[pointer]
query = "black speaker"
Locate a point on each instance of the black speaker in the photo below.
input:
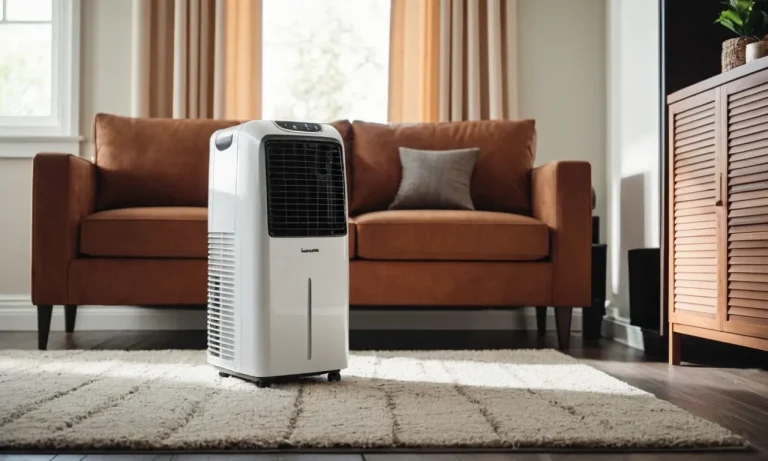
(645, 287)
(592, 316)
(595, 229)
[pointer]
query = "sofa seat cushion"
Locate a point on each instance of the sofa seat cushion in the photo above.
(159, 232)
(173, 232)
(460, 235)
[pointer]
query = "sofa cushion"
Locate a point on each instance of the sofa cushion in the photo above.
(174, 232)
(158, 161)
(437, 180)
(450, 235)
(152, 161)
(501, 178)
(158, 232)
(344, 127)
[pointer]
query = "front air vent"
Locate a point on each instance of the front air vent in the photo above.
(305, 188)
(221, 295)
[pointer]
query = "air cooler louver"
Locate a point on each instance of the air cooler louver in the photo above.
(221, 295)
(305, 189)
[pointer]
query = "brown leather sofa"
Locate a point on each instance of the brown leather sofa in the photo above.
(130, 227)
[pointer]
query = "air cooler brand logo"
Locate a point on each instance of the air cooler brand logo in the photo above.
(310, 250)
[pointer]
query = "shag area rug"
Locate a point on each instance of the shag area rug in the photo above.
(173, 400)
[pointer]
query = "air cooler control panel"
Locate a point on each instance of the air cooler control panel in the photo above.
(299, 126)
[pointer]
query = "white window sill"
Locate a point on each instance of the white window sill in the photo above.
(29, 146)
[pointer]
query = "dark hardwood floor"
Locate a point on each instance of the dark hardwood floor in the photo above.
(724, 384)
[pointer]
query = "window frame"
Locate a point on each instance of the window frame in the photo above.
(21, 136)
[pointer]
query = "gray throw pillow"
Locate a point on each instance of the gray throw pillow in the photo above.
(436, 179)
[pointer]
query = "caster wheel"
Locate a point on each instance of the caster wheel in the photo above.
(334, 376)
(223, 375)
(262, 384)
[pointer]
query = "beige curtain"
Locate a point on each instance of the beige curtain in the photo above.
(197, 59)
(413, 60)
(453, 60)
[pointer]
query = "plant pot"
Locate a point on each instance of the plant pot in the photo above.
(734, 52)
(756, 50)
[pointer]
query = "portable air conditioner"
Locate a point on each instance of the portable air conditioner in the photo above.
(278, 263)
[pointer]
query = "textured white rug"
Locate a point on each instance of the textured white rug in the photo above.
(437, 399)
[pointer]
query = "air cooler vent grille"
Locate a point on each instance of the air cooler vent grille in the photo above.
(221, 295)
(305, 188)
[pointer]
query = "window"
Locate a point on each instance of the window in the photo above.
(325, 60)
(38, 68)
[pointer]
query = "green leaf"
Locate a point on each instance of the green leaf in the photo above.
(746, 18)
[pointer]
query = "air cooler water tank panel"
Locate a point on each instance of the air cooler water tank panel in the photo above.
(222, 180)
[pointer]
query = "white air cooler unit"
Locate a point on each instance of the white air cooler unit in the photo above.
(278, 263)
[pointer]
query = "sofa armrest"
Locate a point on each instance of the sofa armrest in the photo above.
(63, 193)
(562, 196)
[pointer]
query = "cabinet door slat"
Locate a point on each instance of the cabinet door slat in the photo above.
(755, 211)
(690, 116)
(739, 118)
(746, 108)
(748, 252)
(748, 147)
(749, 286)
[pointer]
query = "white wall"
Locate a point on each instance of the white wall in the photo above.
(632, 161)
(105, 86)
(106, 63)
(562, 81)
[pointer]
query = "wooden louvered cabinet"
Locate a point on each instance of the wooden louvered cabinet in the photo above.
(717, 225)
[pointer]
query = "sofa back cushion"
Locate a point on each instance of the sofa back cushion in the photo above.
(152, 161)
(344, 127)
(157, 161)
(500, 180)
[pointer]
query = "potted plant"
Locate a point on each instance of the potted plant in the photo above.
(748, 20)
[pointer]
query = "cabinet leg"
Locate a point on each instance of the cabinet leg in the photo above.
(44, 312)
(674, 347)
(70, 314)
(541, 320)
(563, 320)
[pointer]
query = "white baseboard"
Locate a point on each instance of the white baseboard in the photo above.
(619, 329)
(18, 314)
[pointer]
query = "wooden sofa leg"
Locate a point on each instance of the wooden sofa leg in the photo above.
(70, 314)
(44, 312)
(563, 320)
(541, 320)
